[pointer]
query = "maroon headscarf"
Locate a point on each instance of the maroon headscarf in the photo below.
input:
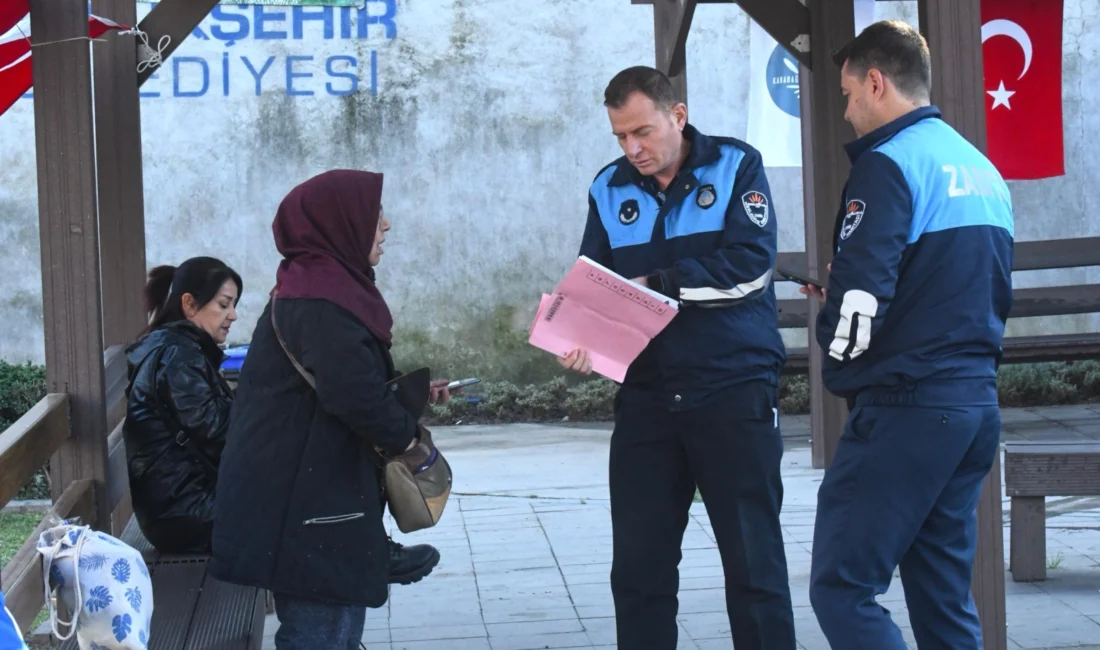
(324, 230)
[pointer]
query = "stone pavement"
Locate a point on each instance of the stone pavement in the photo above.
(526, 552)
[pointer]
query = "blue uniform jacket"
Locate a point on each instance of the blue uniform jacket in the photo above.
(10, 637)
(709, 241)
(921, 282)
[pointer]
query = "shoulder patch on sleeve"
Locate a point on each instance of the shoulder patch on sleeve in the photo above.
(756, 207)
(853, 214)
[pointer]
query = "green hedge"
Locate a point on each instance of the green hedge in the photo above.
(575, 399)
(592, 400)
(21, 387)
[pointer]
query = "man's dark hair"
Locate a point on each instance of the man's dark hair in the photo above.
(897, 50)
(649, 81)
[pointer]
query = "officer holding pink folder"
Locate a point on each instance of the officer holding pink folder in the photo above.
(691, 216)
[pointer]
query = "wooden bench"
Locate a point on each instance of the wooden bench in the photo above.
(192, 610)
(1034, 471)
(1030, 302)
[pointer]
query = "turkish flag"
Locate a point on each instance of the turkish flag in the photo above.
(1022, 60)
(16, 75)
(11, 12)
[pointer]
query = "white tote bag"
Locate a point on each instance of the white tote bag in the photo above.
(103, 583)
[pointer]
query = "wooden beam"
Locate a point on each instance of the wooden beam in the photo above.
(788, 22)
(115, 381)
(671, 26)
(671, 21)
(824, 172)
(22, 582)
(1031, 302)
(69, 234)
(28, 443)
(953, 31)
(118, 158)
(118, 475)
(175, 19)
(1043, 255)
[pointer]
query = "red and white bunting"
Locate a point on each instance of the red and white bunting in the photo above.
(15, 50)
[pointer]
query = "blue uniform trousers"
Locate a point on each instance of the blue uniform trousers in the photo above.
(902, 491)
(731, 448)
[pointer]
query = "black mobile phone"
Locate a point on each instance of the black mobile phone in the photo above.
(799, 279)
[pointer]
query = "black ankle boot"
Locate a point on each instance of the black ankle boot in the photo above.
(409, 564)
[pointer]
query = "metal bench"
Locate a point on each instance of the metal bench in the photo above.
(192, 610)
(1034, 471)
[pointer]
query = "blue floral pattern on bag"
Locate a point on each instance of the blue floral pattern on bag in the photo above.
(55, 576)
(121, 571)
(100, 598)
(93, 562)
(122, 624)
(133, 594)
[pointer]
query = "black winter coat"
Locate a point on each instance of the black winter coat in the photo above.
(175, 393)
(299, 508)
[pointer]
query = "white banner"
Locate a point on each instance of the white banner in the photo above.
(774, 112)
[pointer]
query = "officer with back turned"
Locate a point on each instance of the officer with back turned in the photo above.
(918, 293)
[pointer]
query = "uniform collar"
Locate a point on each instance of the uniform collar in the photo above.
(704, 151)
(858, 147)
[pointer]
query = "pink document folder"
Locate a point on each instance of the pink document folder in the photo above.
(596, 309)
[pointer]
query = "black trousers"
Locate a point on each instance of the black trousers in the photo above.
(731, 448)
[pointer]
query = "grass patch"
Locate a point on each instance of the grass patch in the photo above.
(15, 527)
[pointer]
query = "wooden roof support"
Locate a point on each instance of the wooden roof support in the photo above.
(787, 21)
(119, 182)
(674, 16)
(69, 233)
(671, 23)
(825, 168)
(953, 31)
(175, 19)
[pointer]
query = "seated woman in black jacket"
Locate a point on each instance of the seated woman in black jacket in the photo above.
(299, 510)
(178, 403)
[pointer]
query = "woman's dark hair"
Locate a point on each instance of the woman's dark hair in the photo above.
(202, 277)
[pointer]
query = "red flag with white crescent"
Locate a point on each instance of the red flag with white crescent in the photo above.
(11, 12)
(1022, 61)
(15, 55)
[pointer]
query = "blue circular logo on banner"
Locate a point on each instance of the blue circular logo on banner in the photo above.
(782, 72)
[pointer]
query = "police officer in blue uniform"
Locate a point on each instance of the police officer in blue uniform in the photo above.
(917, 296)
(691, 216)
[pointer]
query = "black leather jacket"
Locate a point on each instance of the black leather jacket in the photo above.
(177, 415)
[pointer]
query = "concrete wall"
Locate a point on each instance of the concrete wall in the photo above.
(486, 117)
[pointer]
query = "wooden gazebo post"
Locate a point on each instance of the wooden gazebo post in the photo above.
(811, 32)
(92, 222)
(69, 233)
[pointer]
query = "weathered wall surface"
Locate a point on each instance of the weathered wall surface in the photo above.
(486, 117)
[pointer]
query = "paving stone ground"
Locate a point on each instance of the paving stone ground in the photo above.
(526, 553)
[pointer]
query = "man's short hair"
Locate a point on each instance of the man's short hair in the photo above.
(896, 49)
(649, 81)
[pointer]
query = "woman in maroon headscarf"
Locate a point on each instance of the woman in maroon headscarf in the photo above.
(299, 509)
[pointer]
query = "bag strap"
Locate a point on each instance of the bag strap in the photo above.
(78, 598)
(297, 366)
